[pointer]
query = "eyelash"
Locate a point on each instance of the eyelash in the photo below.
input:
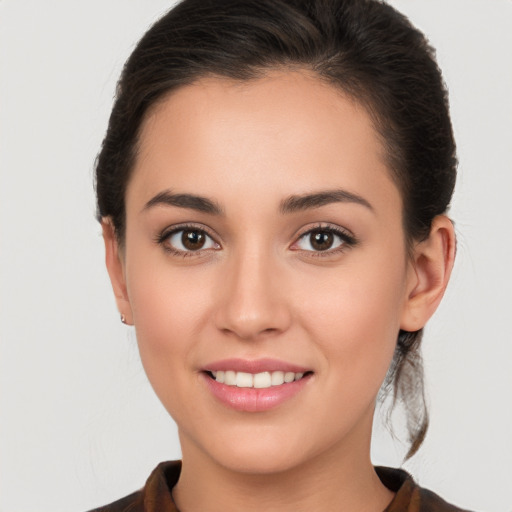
(163, 239)
(347, 240)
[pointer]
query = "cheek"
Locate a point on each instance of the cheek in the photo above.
(354, 316)
(168, 307)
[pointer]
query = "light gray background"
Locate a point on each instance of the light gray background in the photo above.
(79, 424)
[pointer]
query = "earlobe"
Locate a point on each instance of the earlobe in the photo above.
(431, 267)
(115, 268)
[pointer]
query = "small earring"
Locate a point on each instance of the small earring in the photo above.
(123, 319)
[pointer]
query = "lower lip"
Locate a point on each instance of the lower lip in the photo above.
(252, 399)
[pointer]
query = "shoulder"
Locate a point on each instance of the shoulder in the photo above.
(132, 503)
(154, 496)
(410, 497)
(432, 502)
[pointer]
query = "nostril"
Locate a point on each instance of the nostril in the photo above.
(249, 332)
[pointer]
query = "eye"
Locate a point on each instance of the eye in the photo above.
(323, 239)
(187, 240)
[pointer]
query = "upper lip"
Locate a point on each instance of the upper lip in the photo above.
(255, 366)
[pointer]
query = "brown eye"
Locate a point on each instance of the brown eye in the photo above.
(325, 240)
(321, 240)
(193, 240)
(188, 240)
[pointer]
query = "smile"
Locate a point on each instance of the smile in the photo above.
(255, 380)
(255, 385)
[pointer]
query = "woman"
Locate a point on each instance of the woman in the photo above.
(73, 397)
(272, 190)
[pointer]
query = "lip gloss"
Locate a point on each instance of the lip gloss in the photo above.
(250, 399)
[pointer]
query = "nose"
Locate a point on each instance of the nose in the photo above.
(252, 300)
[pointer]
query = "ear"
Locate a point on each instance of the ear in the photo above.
(429, 272)
(116, 270)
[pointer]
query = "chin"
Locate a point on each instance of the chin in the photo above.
(260, 462)
(258, 452)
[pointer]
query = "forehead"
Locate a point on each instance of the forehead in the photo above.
(284, 133)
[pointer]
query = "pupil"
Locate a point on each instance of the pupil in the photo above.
(192, 240)
(322, 240)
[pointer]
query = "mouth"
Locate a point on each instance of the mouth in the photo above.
(261, 380)
(255, 385)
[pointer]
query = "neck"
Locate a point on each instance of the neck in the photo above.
(341, 479)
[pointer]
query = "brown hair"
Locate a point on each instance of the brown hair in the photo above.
(364, 47)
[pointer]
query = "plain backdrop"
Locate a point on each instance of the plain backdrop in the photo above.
(79, 423)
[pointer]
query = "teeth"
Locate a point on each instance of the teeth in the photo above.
(230, 378)
(258, 380)
(289, 377)
(277, 378)
(262, 380)
(244, 380)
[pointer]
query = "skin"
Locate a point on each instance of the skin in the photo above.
(259, 289)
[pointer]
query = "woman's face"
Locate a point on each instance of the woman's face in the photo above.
(264, 242)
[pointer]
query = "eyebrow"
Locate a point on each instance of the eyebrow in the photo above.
(302, 202)
(291, 204)
(189, 201)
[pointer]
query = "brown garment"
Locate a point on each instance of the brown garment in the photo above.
(156, 495)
